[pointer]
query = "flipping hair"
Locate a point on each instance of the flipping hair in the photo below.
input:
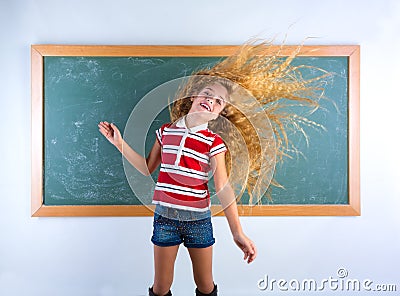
(263, 88)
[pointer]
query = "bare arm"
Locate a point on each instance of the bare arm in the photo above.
(146, 166)
(226, 195)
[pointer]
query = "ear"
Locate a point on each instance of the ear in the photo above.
(224, 112)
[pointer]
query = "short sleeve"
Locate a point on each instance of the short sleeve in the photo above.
(218, 146)
(159, 132)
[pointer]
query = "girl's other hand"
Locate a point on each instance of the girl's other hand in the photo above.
(247, 246)
(111, 132)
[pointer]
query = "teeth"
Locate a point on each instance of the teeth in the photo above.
(205, 106)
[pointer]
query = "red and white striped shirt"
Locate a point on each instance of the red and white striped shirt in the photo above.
(185, 165)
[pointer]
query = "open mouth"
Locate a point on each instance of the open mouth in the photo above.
(205, 106)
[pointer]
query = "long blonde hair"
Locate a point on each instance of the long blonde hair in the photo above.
(262, 85)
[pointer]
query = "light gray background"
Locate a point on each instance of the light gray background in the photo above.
(113, 256)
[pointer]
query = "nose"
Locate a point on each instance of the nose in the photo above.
(211, 100)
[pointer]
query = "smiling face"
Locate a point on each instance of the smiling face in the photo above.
(210, 101)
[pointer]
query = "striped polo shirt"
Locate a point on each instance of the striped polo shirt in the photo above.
(185, 165)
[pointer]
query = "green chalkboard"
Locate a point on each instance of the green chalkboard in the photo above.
(76, 171)
(81, 167)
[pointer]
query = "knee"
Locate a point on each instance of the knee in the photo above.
(162, 285)
(212, 292)
(153, 292)
(204, 283)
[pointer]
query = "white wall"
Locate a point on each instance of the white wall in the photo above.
(113, 256)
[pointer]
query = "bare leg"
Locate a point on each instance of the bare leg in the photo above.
(164, 262)
(202, 268)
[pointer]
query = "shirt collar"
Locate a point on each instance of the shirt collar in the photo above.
(182, 123)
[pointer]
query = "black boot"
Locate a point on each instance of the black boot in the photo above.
(213, 293)
(151, 293)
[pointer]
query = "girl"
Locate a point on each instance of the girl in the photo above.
(189, 147)
(189, 133)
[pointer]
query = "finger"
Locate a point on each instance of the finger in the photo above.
(248, 256)
(246, 252)
(249, 252)
(255, 251)
(104, 130)
(113, 126)
(253, 254)
(253, 258)
(103, 125)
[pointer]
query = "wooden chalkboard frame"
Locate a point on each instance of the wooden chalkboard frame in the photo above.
(38, 52)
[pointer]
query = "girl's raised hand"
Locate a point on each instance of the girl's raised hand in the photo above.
(111, 132)
(247, 246)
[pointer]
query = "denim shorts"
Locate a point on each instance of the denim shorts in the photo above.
(193, 234)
